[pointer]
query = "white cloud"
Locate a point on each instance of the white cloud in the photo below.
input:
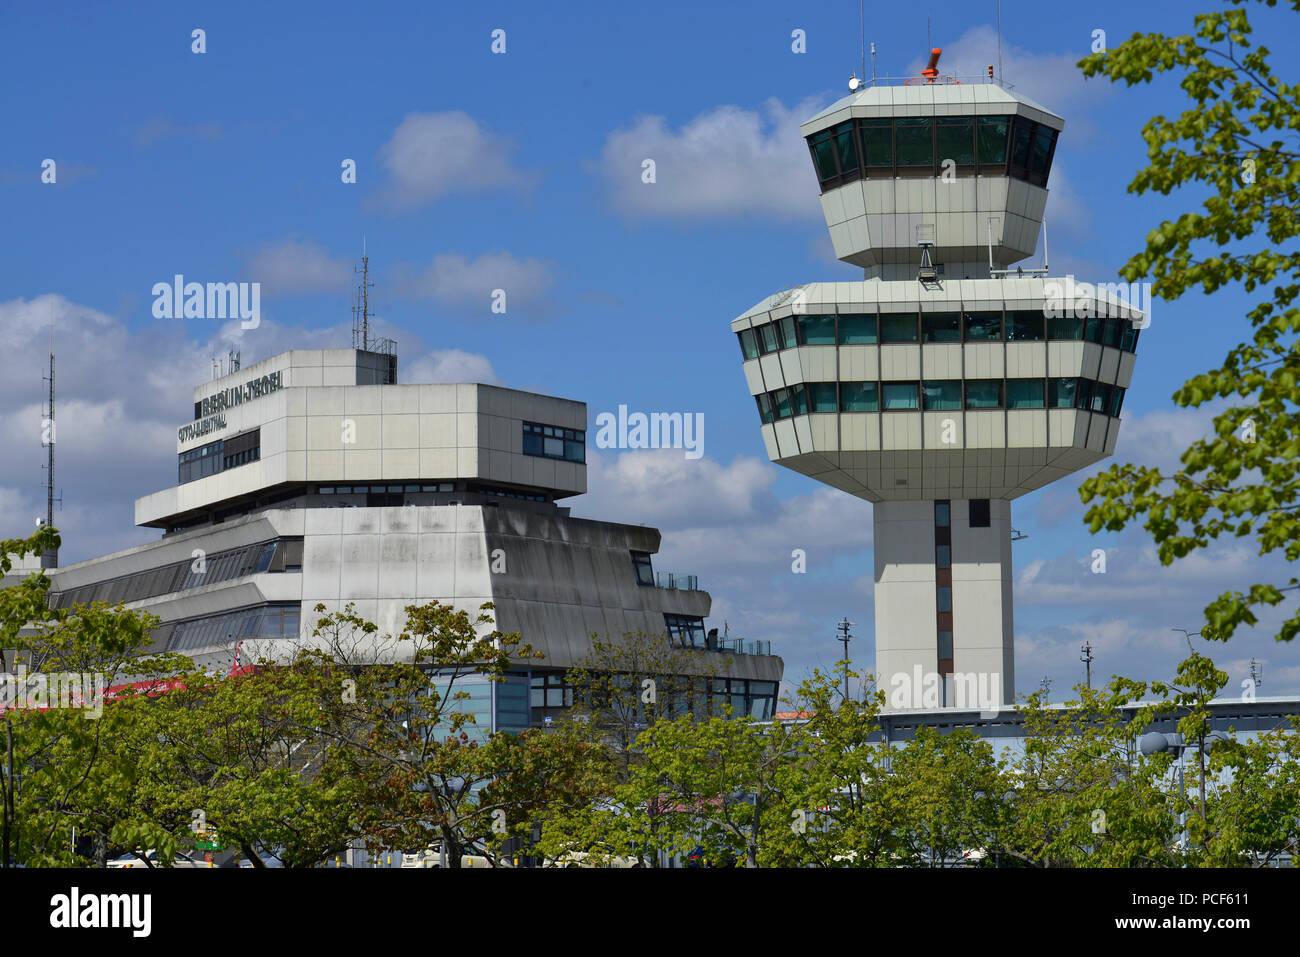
(433, 154)
(451, 365)
(727, 162)
(455, 280)
(1050, 79)
(297, 265)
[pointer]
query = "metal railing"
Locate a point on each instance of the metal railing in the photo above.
(678, 581)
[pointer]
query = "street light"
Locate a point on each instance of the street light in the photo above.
(1156, 742)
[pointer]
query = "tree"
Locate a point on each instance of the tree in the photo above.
(1081, 793)
(835, 795)
(1245, 481)
(620, 689)
(405, 737)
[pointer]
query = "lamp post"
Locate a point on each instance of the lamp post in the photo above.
(1154, 742)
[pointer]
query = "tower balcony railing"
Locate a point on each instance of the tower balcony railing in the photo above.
(731, 646)
(677, 580)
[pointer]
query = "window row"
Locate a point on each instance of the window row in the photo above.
(191, 573)
(1017, 325)
(552, 442)
(682, 695)
(884, 147)
(242, 458)
(194, 464)
(247, 624)
(384, 489)
(938, 395)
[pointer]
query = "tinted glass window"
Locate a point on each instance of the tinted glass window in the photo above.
(945, 598)
(1064, 327)
(748, 345)
(899, 395)
(943, 556)
(781, 397)
(898, 327)
(984, 394)
(956, 140)
(983, 326)
(786, 330)
(941, 327)
(945, 644)
(1060, 393)
(942, 514)
(914, 141)
(1021, 144)
(765, 407)
(768, 334)
(823, 151)
(979, 513)
(1025, 393)
(817, 330)
(845, 149)
(857, 329)
(877, 143)
(822, 397)
(1042, 152)
(1094, 330)
(993, 139)
(859, 397)
(1024, 325)
(941, 394)
(1114, 333)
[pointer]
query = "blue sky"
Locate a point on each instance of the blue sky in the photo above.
(522, 171)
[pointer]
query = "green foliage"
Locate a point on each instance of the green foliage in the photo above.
(1231, 145)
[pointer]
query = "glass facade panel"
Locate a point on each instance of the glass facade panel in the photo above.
(765, 407)
(1114, 332)
(823, 151)
(984, 394)
(786, 329)
(846, 150)
(822, 397)
(993, 139)
(859, 397)
(945, 598)
(748, 345)
(899, 395)
(1023, 325)
(983, 326)
(817, 330)
(1064, 327)
(1060, 393)
(857, 330)
(898, 327)
(914, 141)
(768, 337)
(877, 143)
(941, 327)
(942, 394)
(1025, 393)
(955, 140)
(782, 399)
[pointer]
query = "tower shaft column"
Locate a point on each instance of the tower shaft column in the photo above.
(944, 627)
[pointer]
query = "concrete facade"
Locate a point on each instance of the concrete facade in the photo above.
(944, 384)
(348, 488)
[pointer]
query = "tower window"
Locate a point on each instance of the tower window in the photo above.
(644, 571)
(979, 513)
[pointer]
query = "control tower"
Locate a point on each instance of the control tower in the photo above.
(947, 381)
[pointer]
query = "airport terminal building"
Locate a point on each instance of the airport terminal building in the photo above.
(314, 477)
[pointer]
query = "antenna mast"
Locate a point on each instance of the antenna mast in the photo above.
(50, 559)
(361, 309)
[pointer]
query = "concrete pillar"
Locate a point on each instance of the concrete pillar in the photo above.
(908, 612)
